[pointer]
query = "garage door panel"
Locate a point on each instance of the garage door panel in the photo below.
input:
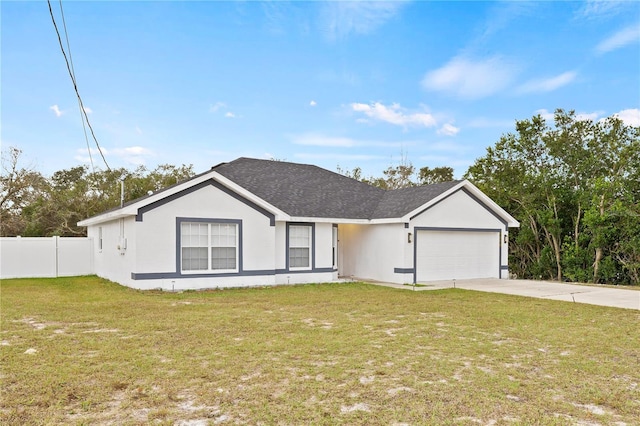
(447, 255)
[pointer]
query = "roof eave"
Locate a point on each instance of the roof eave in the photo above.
(336, 220)
(132, 209)
(107, 217)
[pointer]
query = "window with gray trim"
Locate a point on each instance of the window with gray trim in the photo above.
(209, 246)
(299, 247)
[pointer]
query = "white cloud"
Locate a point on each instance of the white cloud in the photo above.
(132, 150)
(585, 116)
(56, 110)
(88, 110)
(466, 78)
(394, 114)
(82, 155)
(218, 105)
(547, 84)
(581, 116)
(620, 39)
(230, 115)
(448, 130)
(316, 139)
(313, 103)
(342, 18)
(602, 8)
(135, 155)
(630, 117)
(548, 116)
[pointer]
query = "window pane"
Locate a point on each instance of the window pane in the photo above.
(194, 258)
(223, 258)
(203, 234)
(196, 239)
(299, 246)
(299, 236)
(185, 236)
(194, 234)
(299, 257)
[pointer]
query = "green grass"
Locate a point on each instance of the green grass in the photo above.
(314, 354)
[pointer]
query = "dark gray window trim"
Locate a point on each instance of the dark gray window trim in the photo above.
(305, 271)
(334, 255)
(265, 272)
(215, 184)
(313, 247)
(432, 228)
(166, 275)
(476, 199)
(403, 270)
(180, 220)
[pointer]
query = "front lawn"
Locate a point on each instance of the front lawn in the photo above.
(86, 351)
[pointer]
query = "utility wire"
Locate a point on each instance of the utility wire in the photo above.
(75, 86)
(84, 127)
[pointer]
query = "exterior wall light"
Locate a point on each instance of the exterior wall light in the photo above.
(506, 238)
(409, 237)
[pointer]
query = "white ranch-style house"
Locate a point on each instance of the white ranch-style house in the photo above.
(256, 222)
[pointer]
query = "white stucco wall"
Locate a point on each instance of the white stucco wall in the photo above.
(112, 262)
(157, 231)
(372, 251)
(323, 244)
(151, 253)
(280, 253)
(460, 211)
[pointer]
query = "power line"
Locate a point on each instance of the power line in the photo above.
(73, 71)
(75, 86)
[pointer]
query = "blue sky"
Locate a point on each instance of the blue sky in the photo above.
(325, 83)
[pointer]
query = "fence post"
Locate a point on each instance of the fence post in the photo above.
(55, 238)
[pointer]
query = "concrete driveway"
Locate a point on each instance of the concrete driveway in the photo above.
(594, 295)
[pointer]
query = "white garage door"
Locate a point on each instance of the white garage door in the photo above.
(448, 255)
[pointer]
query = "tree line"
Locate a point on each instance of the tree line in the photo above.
(573, 184)
(34, 205)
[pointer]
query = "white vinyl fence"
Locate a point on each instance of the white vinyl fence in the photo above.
(29, 257)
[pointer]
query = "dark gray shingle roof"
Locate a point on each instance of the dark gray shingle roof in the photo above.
(310, 191)
(301, 189)
(398, 202)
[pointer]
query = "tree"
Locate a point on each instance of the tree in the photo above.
(428, 176)
(402, 175)
(573, 185)
(19, 187)
(32, 205)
